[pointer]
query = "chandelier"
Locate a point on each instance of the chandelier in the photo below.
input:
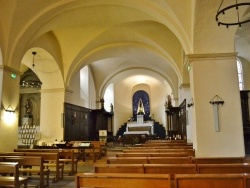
(30, 78)
(230, 15)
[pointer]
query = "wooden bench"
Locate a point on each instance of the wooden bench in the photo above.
(97, 150)
(167, 141)
(31, 165)
(51, 161)
(177, 154)
(127, 160)
(122, 180)
(247, 180)
(119, 168)
(209, 181)
(217, 160)
(65, 156)
(171, 169)
(169, 160)
(234, 168)
(68, 156)
(190, 152)
(14, 180)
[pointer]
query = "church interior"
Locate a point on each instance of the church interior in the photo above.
(125, 73)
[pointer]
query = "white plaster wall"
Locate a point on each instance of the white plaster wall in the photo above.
(84, 86)
(74, 90)
(92, 90)
(9, 125)
(209, 78)
(52, 105)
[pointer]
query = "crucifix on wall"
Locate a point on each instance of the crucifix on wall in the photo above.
(216, 101)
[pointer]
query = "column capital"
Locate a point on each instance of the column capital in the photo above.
(9, 69)
(213, 56)
(56, 90)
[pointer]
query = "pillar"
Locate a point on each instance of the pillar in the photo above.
(211, 75)
(9, 93)
(52, 108)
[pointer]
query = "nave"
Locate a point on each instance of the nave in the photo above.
(156, 163)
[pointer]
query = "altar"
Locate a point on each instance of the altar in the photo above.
(140, 128)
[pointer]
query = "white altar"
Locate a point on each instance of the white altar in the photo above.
(140, 128)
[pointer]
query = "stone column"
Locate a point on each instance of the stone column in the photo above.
(211, 75)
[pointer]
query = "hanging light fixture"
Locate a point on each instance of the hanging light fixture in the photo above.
(32, 81)
(230, 15)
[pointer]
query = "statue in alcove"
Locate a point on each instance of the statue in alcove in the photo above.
(28, 108)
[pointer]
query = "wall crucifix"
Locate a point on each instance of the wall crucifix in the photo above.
(216, 102)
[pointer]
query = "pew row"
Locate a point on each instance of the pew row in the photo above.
(217, 160)
(149, 160)
(122, 180)
(168, 154)
(51, 162)
(173, 169)
(119, 168)
(236, 168)
(30, 166)
(190, 152)
(14, 180)
(209, 181)
(65, 156)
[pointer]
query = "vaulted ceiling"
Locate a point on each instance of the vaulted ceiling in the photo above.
(113, 37)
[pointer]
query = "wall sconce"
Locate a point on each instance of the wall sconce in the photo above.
(9, 115)
(190, 103)
(9, 109)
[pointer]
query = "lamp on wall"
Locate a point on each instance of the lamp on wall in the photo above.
(9, 115)
(229, 15)
(9, 109)
(190, 103)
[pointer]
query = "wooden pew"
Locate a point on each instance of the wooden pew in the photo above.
(51, 161)
(163, 144)
(169, 160)
(177, 154)
(121, 154)
(97, 153)
(122, 180)
(127, 160)
(247, 180)
(65, 156)
(209, 181)
(15, 180)
(34, 164)
(234, 168)
(68, 156)
(190, 152)
(166, 147)
(171, 169)
(119, 168)
(166, 141)
(161, 147)
(217, 160)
